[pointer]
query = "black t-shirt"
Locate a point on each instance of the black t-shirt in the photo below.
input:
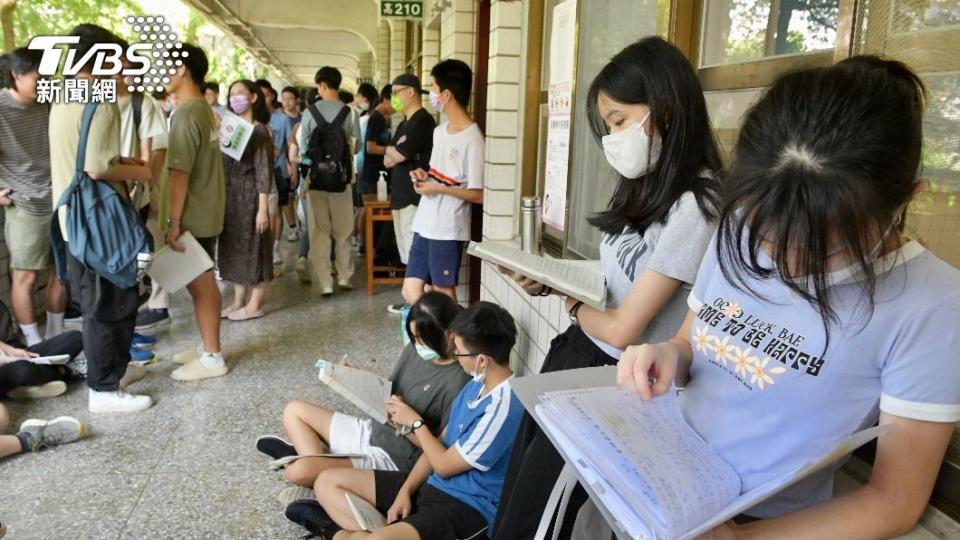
(428, 389)
(377, 133)
(417, 135)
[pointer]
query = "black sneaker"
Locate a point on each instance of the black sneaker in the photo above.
(275, 447)
(72, 316)
(152, 318)
(311, 516)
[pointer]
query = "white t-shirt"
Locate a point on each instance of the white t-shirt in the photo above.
(153, 125)
(457, 157)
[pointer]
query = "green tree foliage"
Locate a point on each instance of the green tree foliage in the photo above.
(51, 17)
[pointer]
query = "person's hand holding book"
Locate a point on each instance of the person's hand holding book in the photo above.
(401, 507)
(401, 413)
(649, 368)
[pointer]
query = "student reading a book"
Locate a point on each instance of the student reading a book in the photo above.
(426, 377)
(454, 182)
(193, 200)
(647, 111)
(814, 315)
(22, 379)
(453, 490)
(245, 245)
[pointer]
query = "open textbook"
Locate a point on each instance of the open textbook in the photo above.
(368, 391)
(281, 463)
(174, 270)
(367, 516)
(582, 280)
(648, 471)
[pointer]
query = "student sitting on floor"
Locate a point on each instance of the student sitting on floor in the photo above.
(427, 377)
(36, 434)
(454, 489)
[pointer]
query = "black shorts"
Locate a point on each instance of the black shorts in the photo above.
(209, 245)
(435, 515)
(283, 188)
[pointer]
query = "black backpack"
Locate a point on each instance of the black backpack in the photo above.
(331, 163)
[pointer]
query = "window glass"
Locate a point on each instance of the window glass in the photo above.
(911, 15)
(605, 28)
(749, 30)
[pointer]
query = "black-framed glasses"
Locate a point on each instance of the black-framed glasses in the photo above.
(465, 355)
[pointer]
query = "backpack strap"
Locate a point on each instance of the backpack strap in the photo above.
(317, 117)
(341, 116)
(136, 101)
(88, 111)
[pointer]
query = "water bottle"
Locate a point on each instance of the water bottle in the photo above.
(382, 186)
(530, 225)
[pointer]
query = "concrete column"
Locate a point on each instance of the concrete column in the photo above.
(458, 29)
(398, 53)
(383, 54)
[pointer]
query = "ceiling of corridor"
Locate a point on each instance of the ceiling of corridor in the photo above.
(296, 37)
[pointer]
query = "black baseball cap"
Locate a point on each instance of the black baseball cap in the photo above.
(411, 80)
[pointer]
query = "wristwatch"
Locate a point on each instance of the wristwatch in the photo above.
(416, 424)
(573, 313)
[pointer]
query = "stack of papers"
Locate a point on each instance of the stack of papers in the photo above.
(174, 270)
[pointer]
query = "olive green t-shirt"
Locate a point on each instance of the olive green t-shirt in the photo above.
(194, 147)
(103, 147)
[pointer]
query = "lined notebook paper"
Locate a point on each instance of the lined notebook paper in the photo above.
(583, 280)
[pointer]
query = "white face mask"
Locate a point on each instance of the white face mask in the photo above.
(632, 152)
(435, 101)
(364, 106)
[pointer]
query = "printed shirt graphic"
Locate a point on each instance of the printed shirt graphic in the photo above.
(766, 395)
(673, 249)
(457, 162)
(483, 431)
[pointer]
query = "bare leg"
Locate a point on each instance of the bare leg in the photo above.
(206, 307)
(9, 444)
(331, 486)
(289, 214)
(412, 290)
(257, 297)
(396, 531)
(449, 291)
(308, 427)
(239, 295)
(56, 294)
(21, 295)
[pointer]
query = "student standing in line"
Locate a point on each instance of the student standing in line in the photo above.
(860, 323)
(647, 110)
(410, 149)
(453, 489)
(367, 98)
(453, 183)
(331, 212)
(109, 312)
(193, 199)
(25, 194)
(211, 93)
(287, 187)
(244, 246)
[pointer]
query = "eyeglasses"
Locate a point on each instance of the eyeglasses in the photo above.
(465, 355)
(399, 89)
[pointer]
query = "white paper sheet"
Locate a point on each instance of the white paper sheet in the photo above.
(235, 133)
(367, 516)
(174, 270)
(55, 360)
(366, 390)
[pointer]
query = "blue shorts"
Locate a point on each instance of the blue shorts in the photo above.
(437, 262)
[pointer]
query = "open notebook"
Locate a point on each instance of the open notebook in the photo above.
(583, 280)
(648, 471)
(174, 270)
(368, 391)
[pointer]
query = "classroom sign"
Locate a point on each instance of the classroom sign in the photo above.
(401, 9)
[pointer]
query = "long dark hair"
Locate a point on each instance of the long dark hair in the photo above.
(369, 92)
(654, 72)
(433, 314)
(259, 105)
(825, 163)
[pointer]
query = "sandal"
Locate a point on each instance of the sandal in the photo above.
(243, 315)
(225, 312)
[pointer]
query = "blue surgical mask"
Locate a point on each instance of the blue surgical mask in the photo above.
(426, 353)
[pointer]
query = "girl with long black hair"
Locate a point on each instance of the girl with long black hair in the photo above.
(245, 254)
(647, 110)
(813, 316)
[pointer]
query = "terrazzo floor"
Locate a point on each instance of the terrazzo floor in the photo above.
(187, 467)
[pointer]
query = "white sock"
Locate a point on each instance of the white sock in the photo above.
(31, 333)
(212, 360)
(54, 324)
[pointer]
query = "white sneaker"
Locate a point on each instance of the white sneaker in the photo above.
(117, 401)
(48, 390)
(277, 260)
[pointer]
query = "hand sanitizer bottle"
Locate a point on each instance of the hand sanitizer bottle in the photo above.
(382, 186)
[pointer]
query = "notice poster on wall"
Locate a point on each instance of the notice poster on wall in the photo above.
(563, 39)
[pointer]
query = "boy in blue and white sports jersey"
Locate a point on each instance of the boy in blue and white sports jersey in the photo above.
(454, 489)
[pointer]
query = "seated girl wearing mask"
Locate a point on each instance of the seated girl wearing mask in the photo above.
(426, 377)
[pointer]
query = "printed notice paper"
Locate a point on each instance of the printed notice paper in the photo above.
(235, 133)
(368, 391)
(648, 471)
(174, 270)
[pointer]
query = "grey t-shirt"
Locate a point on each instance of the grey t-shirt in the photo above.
(674, 249)
(25, 154)
(328, 109)
(430, 390)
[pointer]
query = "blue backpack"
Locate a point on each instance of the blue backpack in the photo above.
(105, 233)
